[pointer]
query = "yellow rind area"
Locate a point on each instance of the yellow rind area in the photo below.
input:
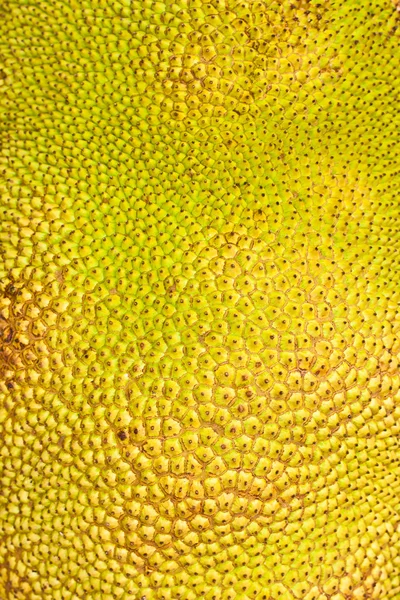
(199, 312)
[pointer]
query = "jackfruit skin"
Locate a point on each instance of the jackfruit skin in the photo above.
(199, 353)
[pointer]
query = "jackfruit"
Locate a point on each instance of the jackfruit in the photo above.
(199, 312)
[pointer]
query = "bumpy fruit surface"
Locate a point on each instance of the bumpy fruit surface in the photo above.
(199, 300)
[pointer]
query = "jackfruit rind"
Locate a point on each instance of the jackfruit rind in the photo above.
(199, 319)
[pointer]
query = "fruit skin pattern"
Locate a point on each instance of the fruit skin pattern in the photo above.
(199, 304)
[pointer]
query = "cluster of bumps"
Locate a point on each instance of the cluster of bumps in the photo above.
(199, 307)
